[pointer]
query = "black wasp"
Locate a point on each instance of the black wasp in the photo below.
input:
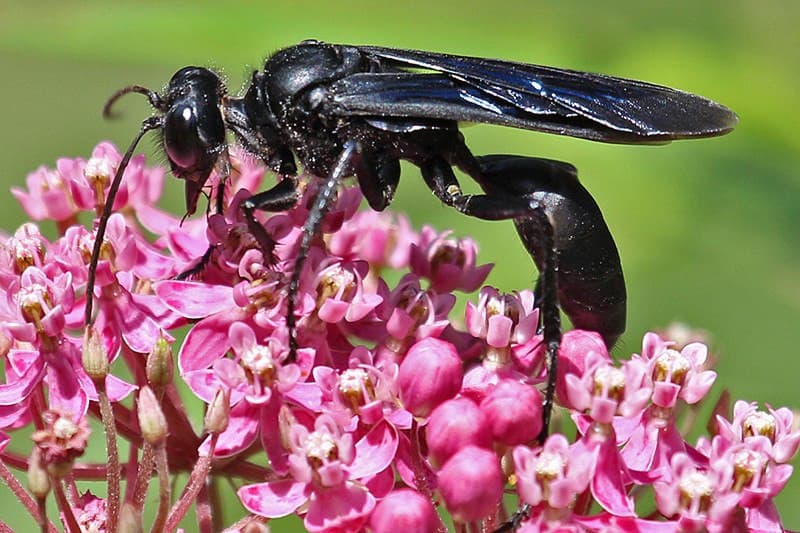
(342, 110)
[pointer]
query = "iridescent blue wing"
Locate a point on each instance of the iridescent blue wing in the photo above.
(418, 84)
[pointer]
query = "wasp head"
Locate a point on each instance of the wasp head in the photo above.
(191, 124)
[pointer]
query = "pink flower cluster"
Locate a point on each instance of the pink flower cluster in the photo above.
(388, 416)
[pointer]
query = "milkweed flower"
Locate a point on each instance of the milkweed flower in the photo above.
(392, 409)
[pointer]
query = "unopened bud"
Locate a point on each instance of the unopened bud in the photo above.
(218, 414)
(430, 374)
(152, 422)
(254, 526)
(130, 520)
(471, 484)
(160, 364)
(405, 510)
(94, 358)
(38, 478)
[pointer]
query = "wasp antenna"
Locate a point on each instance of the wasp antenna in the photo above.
(150, 123)
(155, 100)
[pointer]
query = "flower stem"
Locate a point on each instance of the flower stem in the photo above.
(196, 481)
(22, 495)
(143, 475)
(164, 491)
(205, 519)
(64, 507)
(113, 473)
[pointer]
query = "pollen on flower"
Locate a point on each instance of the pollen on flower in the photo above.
(320, 446)
(550, 465)
(671, 366)
(352, 384)
(64, 428)
(98, 172)
(503, 305)
(34, 301)
(52, 181)
(696, 489)
(87, 245)
(258, 360)
(610, 381)
(759, 423)
(26, 247)
(747, 464)
(335, 281)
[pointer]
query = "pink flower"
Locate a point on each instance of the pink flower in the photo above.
(259, 379)
(63, 438)
(502, 319)
(48, 196)
(578, 348)
(323, 465)
(514, 412)
(430, 374)
(471, 484)
(255, 303)
(255, 370)
(378, 238)
(90, 513)
(604, 391)
(363, 392)
(383, 388)
(141, 187)
(555, 474)
(405, 510)
(27, 247)
(411, 313)
(447, 263)
(37, 306)
(699, 499)
(454, 424)
(747, 468)
(677, 374)
(341, 294)
(777, 425)
(610, 476)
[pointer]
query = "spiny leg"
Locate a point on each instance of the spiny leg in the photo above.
(551, 317)
(534, 226)
(282, 196)
(551, 325)
(341, 169)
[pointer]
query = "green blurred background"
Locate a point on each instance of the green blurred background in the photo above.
(707, 230)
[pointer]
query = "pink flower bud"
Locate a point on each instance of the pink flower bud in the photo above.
(93, 356)
(38, 479)
(430, 374)
(160, 364)
(471, 484)
(514, 412)
(405, 510)
(151, 418)
(218, 414)
(455, 424)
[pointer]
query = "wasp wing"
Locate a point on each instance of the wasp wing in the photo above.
(579, 104)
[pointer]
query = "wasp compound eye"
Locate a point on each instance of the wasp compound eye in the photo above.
(181, 138)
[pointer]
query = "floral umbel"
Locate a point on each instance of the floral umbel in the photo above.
(391, 416)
